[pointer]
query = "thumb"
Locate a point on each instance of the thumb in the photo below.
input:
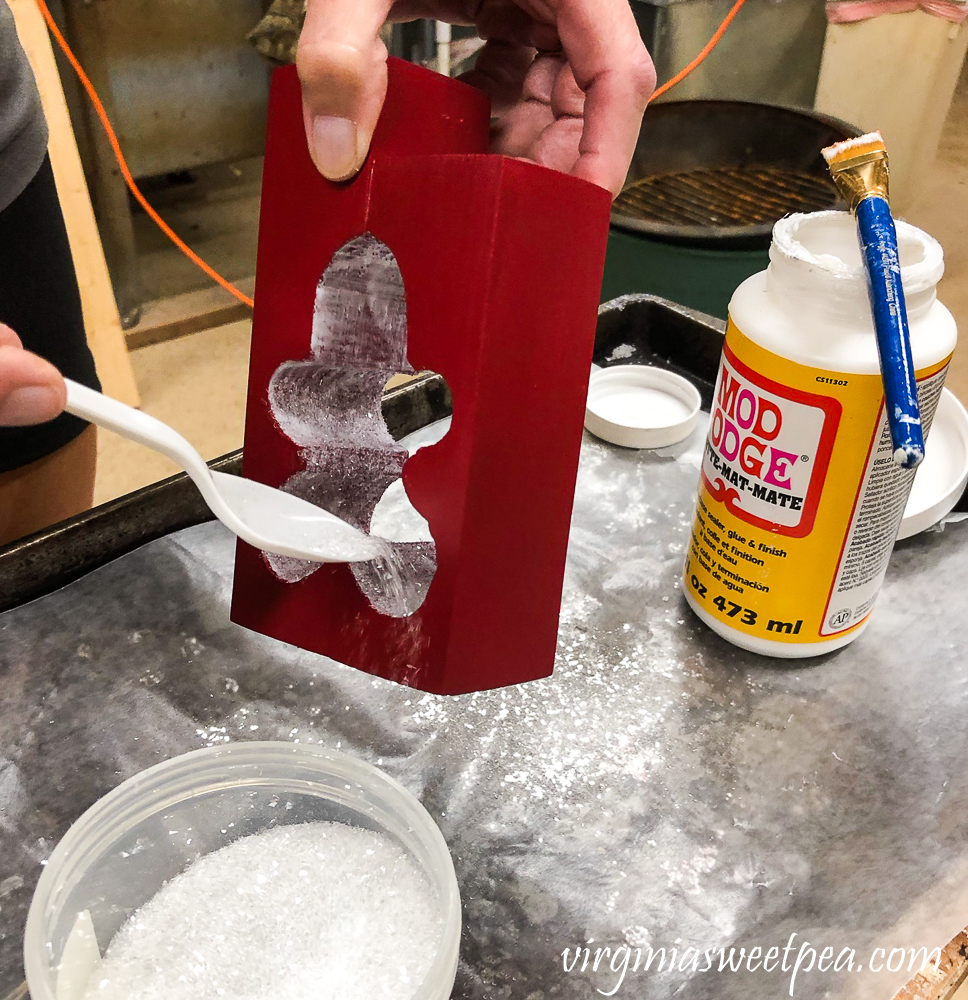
(342, 67)
(31, 390)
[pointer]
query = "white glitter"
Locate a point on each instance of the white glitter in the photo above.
(318, 911)
(621, 352)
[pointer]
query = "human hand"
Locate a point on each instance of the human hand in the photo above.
(568, 79)
(32, 391)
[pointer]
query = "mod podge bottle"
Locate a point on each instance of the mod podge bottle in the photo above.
(799, 498)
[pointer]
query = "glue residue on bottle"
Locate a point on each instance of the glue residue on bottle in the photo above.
(316, 911)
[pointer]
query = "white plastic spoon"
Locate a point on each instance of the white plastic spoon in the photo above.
(264, 517)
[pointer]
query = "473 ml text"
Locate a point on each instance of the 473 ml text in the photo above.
(744, 616)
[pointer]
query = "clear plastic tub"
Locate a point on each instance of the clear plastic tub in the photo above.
(149, 829)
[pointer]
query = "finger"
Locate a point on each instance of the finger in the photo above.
(613, 68)
(531, 120)
(520, 23)
(558, 144)
(8, 338)
(32, 391)
(567, 98)
(520, 130)
(508, 21)
(500, 71)
(341, 63)
(539, 84)
(522, 121)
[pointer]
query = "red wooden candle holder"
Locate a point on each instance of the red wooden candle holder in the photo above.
(437, 256)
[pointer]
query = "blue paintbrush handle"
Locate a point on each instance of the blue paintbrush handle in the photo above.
(878, 241)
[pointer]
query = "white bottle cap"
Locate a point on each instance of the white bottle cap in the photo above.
(942, 476)
(637, 406)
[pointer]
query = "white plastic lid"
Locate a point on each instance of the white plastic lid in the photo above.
(942, 476)
(637, 406)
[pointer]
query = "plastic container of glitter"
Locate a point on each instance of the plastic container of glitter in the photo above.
(130, 843)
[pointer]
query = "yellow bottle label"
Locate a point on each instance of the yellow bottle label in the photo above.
(799, 498)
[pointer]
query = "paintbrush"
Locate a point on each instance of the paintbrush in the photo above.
(860, 171)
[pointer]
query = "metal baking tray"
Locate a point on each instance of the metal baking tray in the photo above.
(657, 332)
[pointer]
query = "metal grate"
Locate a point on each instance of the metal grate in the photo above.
(725, 196)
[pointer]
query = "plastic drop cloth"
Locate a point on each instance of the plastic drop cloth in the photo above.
(662, 790)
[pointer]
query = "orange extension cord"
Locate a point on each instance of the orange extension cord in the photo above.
(125, 172)
(713, 42)
(171, 234)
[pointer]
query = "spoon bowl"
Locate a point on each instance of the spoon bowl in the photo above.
(267, 518)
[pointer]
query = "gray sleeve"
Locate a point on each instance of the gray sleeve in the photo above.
(23, 131)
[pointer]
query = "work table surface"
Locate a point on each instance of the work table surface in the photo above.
(663, 789)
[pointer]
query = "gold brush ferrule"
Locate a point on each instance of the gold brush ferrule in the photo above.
(861, 176)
